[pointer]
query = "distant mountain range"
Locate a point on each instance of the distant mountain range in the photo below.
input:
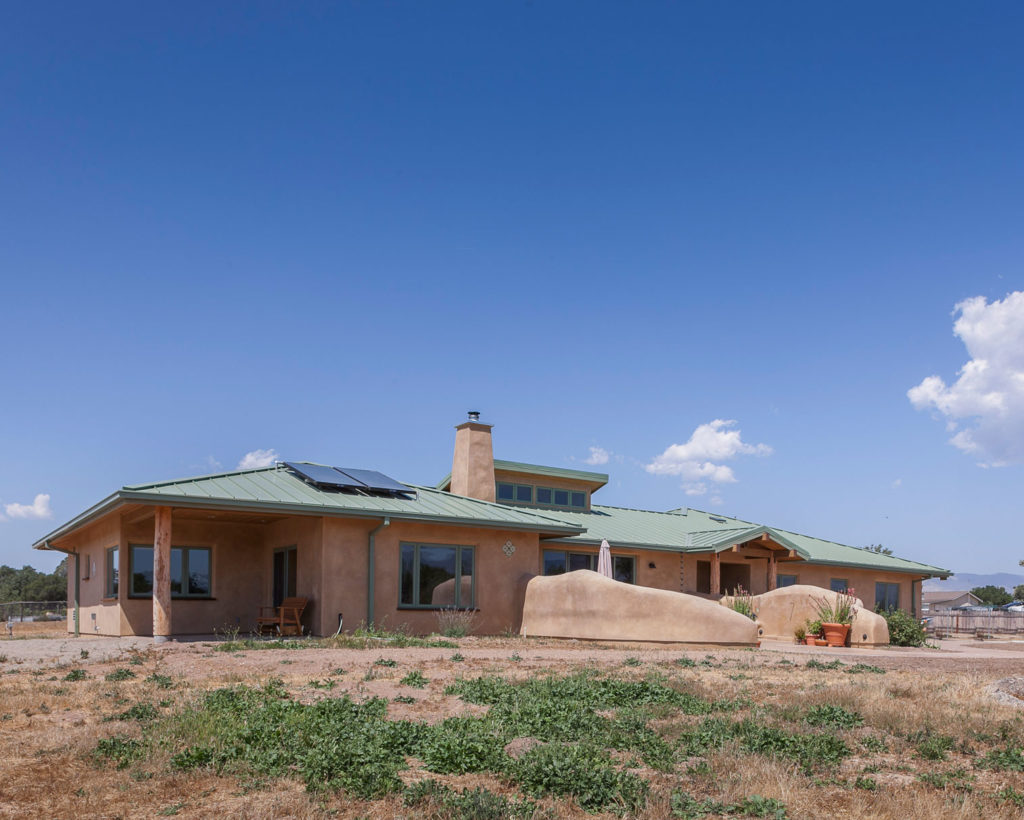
(970, 580)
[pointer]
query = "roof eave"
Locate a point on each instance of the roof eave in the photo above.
(313, 510)
(111, 502)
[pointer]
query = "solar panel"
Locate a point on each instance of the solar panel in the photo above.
(375, 480)
(325, 476)
(347, 477)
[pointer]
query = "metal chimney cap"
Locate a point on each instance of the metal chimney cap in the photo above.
(474, 415)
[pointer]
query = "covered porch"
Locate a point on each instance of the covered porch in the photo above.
(197, 571)
(755, 564)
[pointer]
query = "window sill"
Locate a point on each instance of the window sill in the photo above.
(173, 598)
(112, 600)
(414, 608)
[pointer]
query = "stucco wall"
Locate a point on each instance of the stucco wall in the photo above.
(99, 615)
(500, 579)
(237, 575)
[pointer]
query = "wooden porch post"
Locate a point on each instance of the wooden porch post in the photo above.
(162, 575)
(773, 572)
(716, 574)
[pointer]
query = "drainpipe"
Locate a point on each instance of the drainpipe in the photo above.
(78, 580)
(371, 567)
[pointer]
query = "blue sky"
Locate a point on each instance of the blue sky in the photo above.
(328, 230)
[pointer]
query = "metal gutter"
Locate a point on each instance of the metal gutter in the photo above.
(115, 500)
(371, 568)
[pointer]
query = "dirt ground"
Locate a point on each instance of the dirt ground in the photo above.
(49, 728)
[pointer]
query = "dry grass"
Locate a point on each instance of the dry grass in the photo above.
(49, 728)
(34, 629)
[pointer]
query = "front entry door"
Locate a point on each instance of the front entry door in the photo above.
(285, 573)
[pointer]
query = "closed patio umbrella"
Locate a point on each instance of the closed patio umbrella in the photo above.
(604, 560)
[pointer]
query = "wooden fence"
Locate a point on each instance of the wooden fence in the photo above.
(986, 623)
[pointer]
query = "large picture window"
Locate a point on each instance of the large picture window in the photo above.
(556, 562)
(887, 596)
(190, 572)
(434, 576)
(112, 572)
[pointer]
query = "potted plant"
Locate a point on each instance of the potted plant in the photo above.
(800, 633)
(837, 617)
(812, 631)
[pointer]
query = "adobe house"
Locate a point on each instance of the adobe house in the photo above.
(192, 556)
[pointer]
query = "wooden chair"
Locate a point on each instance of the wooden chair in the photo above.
(285, 618)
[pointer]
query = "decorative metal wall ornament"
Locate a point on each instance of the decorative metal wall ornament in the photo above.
(508, 549)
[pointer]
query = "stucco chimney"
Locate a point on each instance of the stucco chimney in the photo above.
(473, 462)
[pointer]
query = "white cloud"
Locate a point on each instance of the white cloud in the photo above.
(984, 407)
(897, 483)
(699, 460)
(257, 458)
(598, 455)
(716, 500)
(39, 508)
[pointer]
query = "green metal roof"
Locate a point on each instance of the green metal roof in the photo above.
(598, 479)
(278, 490)
(698, 531)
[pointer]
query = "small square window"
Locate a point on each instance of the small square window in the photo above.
(524, 493)
(837, 585)
(506, 492)
(785, 580)
(579, 499)
(561, 498)
(543, 495)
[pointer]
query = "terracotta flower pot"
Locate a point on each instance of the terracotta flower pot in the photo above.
(820, 642)
(809, 640)
(835, 634)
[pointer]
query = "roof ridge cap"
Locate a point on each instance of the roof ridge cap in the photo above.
(205, 477)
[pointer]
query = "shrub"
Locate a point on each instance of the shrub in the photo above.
(1010, 759)
(836, 716)
(743, 603)
(931, 746)
(161, 681)
(122, 750)
(455, 623)
(75, 674)
(120, 674)
(460, 744)
(582, 771)
(903, 629)
(414, 679)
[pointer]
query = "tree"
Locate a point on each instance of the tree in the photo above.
(879, 549)
(1018, 592)
(991, 594)
(28, 584)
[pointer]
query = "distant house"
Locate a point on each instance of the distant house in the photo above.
(938, 599)
(200, 554)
